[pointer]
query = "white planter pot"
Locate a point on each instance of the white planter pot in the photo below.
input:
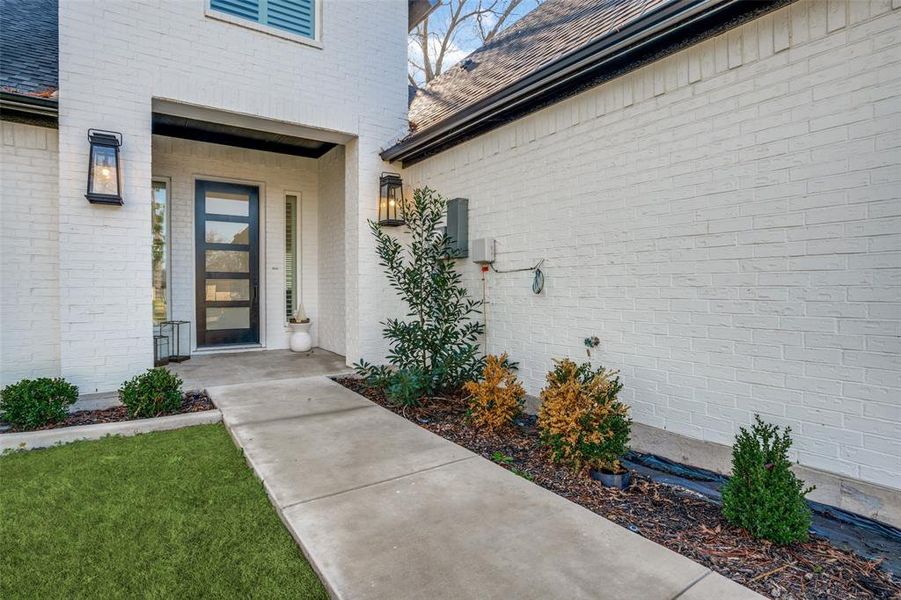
(301, 340)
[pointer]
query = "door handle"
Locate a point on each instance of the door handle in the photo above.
(253, 295)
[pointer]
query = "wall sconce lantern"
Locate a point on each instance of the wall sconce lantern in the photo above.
(104, 176)
(391, 194)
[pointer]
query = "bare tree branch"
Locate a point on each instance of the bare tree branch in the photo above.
(500, 20)
(478, 21)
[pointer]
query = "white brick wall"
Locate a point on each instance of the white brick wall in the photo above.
(354, 84)
(276, 175)
(29, 284)
(331, 251)
(727, 221)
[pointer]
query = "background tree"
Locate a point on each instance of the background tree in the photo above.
(456, 28)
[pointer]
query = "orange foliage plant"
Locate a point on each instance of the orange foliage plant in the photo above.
(497, 399)
(580, 419)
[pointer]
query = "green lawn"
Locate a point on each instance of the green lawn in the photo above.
(175, 514)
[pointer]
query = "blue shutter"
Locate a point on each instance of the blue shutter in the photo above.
(296, 16)
(248, 9)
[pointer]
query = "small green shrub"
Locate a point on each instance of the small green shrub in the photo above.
(406, 387)
(375, 375)
(33, 403)
(763, 495)
(151, 394)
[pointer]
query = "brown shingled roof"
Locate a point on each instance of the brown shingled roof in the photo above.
(551, 31)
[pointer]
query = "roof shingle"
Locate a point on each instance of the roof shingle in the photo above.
(551, 31)
(29, 47)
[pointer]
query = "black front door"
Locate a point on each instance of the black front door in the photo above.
(227, 263)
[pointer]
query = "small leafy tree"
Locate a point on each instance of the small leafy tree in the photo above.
(763, 495)
(437, 342)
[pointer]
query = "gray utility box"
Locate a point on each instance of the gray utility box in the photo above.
(458, 226)
(483, 251)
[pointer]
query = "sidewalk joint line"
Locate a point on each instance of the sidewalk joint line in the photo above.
(692, 584)
(374, 483)
(288, 418)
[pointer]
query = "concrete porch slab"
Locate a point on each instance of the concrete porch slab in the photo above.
(229, 368)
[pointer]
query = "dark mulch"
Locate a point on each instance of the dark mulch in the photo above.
(679, 519)
(193, 401)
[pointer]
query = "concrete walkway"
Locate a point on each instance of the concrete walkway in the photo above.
(385, 509)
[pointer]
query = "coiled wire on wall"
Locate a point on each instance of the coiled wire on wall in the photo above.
(537, 280)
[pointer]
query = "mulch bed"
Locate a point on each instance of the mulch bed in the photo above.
(679, 519)
(194, 401)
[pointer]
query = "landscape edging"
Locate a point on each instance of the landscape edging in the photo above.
(45, 438)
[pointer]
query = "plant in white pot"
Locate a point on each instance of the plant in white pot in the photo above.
(301, 340)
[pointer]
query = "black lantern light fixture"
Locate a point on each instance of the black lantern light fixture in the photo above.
(391, 194)
(104, 176)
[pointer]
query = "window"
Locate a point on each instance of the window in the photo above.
(294, 16)
(290, 255)
(160, 248)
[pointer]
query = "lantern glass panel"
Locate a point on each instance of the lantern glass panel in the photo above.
(160, 350)
(179, 333)
(104, 171)
(390, 199)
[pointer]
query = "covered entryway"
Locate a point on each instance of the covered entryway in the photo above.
(248, 228)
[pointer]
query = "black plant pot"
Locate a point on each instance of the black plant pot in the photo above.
(619, 481)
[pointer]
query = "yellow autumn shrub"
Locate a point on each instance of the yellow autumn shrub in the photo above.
(580, 419)
(497, 398)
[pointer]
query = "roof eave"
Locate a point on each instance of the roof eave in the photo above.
(29, 109)
(642, 36)
(418, 11)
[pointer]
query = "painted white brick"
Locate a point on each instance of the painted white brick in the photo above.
(331, 252)
(354, 84)
(29, 257)
(750, 203)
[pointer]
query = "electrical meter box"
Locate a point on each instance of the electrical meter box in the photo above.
(483, 251)
(458, 227)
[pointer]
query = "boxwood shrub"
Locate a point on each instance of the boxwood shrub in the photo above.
(33, 403)
(151, 394)
(763, 495)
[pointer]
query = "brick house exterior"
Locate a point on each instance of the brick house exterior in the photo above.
(726, 221)
(725, 215)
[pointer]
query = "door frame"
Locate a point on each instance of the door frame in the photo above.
(254, 337)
